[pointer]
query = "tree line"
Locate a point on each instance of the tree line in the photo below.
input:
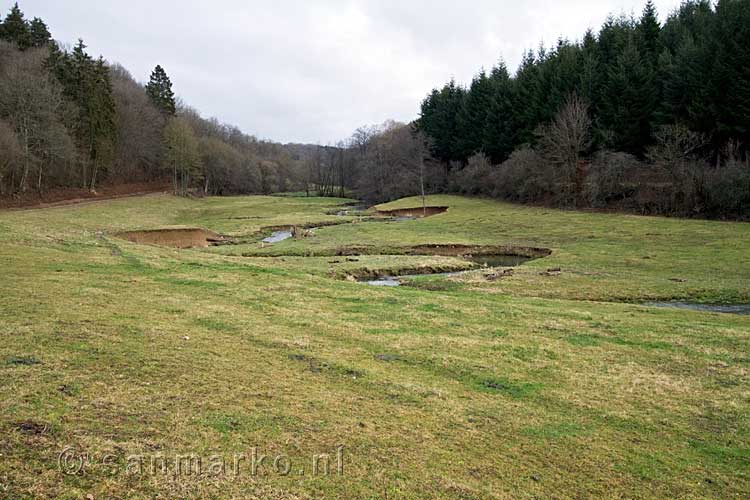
(639, 116)
(68, 120)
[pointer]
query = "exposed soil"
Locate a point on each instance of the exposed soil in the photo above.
(175, 238)
(70, 196)
(449, 251)
(416, 213)
(367, 274)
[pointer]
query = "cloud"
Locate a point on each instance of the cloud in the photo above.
(300, 71)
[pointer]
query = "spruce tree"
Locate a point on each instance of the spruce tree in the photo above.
(15, 29)
(649, 30)
(86, 84)
(159, 89)
(39, 33)
(472, 117)
(527, 99)
(498, 138)
(439, 121)
(589, 65)
(730, 75)
(632, 101)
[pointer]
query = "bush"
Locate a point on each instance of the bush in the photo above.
(728, 190)
(524, 177)
(612, 178)
(475, 177)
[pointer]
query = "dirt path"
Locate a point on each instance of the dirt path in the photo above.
(84, 201)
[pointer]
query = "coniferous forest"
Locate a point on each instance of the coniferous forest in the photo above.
(639, 116)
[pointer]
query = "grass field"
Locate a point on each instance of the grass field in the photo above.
(537, 385)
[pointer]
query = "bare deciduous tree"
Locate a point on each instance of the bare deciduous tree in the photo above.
(139, 129)
(564, 140)
(31, 102)
(10, 155)
(181, 152)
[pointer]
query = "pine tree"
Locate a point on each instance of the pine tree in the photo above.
(730, 75)
(632, 101)
(560, 75)
(15, 29)
(649, 31)
(439, 121)
(159, 89)
(472, 117)
(39, 33)
(527, 99)
(87, 85)
(498, 137)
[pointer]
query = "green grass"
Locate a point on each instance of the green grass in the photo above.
(531, 386)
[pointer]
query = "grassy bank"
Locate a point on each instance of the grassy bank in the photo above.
(535, 385)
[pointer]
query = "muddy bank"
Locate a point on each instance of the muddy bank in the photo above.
(367, 274)
(175, 238)
(281, 233)
(403, 276)
(464, 251)
(467, 251)
(415, 213)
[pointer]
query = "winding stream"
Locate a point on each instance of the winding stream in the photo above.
(742, 309)
(486, 261)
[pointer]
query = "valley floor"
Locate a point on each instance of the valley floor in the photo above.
(122, 365)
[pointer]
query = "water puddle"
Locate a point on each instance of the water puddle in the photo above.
(278, 236)
(742, 309)
(385, 281)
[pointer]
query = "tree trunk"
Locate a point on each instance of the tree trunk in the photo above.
(39, 181)
(26, 155)
(421, 184)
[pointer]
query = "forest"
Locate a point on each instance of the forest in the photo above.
(69, 120)
(640, 116)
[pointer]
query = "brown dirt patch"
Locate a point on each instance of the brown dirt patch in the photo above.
(62, 197)
(175, 238)
(464, 250)
(417, 212)
(448, 250)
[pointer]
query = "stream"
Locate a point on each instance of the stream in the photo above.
(278, 236)
(742, 309)
(486, 261)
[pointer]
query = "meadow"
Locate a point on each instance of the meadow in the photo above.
(557, 381)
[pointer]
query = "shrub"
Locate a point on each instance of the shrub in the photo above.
(728, 190)
(475, 177)
(525, 176)
(612, 178)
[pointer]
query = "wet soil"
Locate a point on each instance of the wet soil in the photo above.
(414, 213)
(175, 238)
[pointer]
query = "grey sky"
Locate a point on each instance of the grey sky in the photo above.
(304, 71)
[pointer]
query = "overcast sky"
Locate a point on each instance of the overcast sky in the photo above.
(313, 71)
